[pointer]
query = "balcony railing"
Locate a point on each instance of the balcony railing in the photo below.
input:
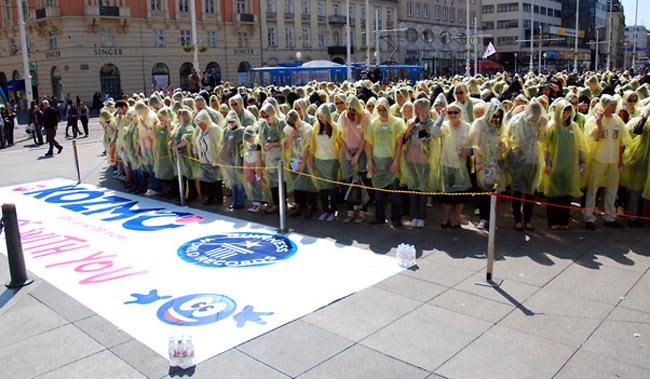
(305, 17)
(271, 16)
(322, 19)
(289, 16)
(41, 13)
(109, 11)
(337, 20)
(246, 17)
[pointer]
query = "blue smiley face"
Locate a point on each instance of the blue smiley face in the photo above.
(195, 310)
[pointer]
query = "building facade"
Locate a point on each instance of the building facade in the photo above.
(433, 33)
(124, 46)
(637, 36)
(512, 23)
(616, 23)
(306, 30)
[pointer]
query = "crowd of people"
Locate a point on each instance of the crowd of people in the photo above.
(554, 138)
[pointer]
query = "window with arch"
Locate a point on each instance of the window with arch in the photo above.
(210, 7)
(183, 6)
(241, 6)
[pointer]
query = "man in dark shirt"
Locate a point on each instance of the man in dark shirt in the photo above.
(50, 123)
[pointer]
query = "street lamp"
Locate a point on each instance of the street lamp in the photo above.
(298, 57)
(516, 62)
(544, 55)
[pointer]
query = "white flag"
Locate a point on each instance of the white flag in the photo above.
(489, 50)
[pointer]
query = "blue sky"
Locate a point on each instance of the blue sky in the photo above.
(644, 12)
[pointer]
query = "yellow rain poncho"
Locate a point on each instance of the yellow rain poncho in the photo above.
(324, 149)
(382, 139)
(298, 138)
(206, 145)
(163, 163)
(270, 135)
(421, 154)
(352, 137)
(565, 147)
(524, 158)
(488, 140)
(454, 139)
(231, 151)
(147, 120)
(183, 131)
(254, 185)
(635, 159)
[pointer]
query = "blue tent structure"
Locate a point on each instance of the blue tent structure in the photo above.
(15, 85)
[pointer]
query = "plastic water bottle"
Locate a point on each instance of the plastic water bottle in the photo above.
(189, 345)
(405, 255)
(171, 351)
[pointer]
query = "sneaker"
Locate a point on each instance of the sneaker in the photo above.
(255, 208)
(349, 217)
(59, 149)
(590, 225)
(483, 225)
(420, 223)
(414, 222)
(331, 217)
(614, 224)
(323, 216)
(361, 217)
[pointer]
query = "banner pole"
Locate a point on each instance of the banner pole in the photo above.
(181, 186)
(17, 269)
(489, 279)
(75, 150)
(281, 197)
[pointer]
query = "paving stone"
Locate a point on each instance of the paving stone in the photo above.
(531, 267)
(295, 348)
(410, 338)
(621, 254)
(638, 298)
(470, 259)
(45, 352)
(410, 287)
(103, 331)
(505, 353)
(101, 365)
(606, 284)
(143, 359)
(585, 364)
(432, 271)
(20, 321)
(510, 292)
(362, 314)
(232, 364)
(69, 308)
(559, 317)
(622, 340)
(472, 305)
(362, 363)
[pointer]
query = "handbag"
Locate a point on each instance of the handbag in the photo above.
(357, 195)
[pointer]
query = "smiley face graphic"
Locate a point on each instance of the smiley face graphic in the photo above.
(195, 310)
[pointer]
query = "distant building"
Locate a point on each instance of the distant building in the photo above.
(125, 46)
(640, 36)
(436, 34)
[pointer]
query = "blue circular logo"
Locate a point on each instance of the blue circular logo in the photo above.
(237, 250)
(195, 310)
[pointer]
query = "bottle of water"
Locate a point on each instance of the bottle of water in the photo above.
(411, 253)
(171, 351)
(191, 359)
(402, 259)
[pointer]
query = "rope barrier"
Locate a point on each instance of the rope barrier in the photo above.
(570, 207)
(405, 192)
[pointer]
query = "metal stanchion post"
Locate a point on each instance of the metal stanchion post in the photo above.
(181, 185)
(489, 280)
(17, 268)
(75, 151)
(281, 196)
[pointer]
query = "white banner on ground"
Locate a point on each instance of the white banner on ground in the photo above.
(156, 270)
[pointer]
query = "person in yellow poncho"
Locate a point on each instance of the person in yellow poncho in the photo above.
(297, 141)
(163, 162)
(323, 157)
(636, 160)
(353, 123)
(206, 147)
(269, 137)
(488, 142)
(565, 153)
(456, 147)
(608, 136)
(419, 160)
(526, 133)
(147, 122)
(383, 151)
(231, 155)
(181, 140)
